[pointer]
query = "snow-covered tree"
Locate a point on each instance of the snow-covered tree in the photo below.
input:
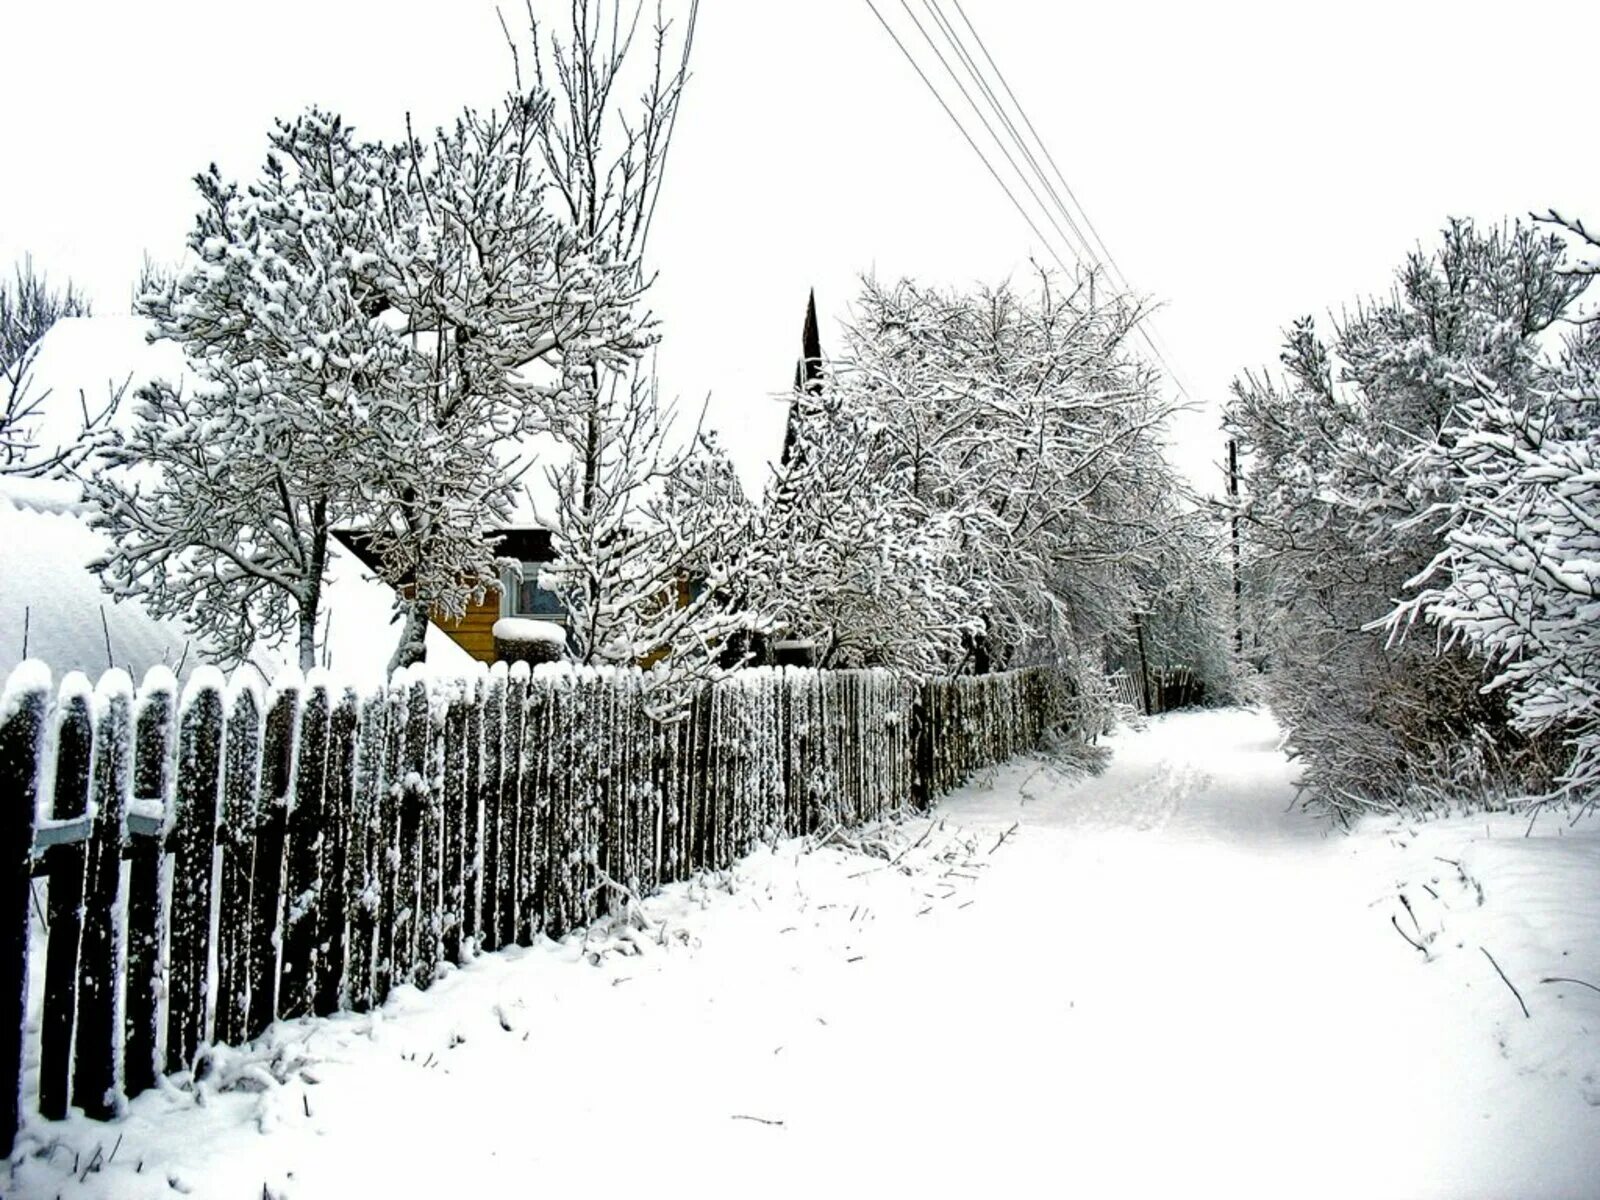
(623, 542)
(380, 328)
(495, 294)
(650, 540)
(29, 306)
(1517, 580)
(1011, 443)
(220, 501)
(841, 559)
(1337, 473)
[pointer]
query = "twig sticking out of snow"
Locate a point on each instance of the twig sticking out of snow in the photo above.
(1564, 979)
(1003, 837)
(1413, 913)
(1508, 982)
(106, 629)
(1415, 945)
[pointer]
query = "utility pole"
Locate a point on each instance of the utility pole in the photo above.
(1238, 589)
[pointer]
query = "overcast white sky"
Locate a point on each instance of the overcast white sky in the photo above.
(1244, 163)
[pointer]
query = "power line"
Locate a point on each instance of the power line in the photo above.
(956, 43)
(998, 140)
(1010, 195)
(1151, 336)
(1023, 113)
(1145, 328)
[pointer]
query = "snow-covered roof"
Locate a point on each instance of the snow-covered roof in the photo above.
(52, 607)
(81, 361)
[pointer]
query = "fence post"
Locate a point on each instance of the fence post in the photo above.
(494, 716)
(194, 843)
(266, 877)
(21, 743)
(362, 880)
(64, 863)
(340, 831)
(152, 781)
(529, 795)
(471, 844)
(241, 790)
(304, 827)
(94, 1060)
(918, 735)
(430, 927)
(386, 837)
(413, 798)
(455, 808)
(510, 811)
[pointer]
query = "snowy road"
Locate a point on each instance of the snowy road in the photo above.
(1162, 983)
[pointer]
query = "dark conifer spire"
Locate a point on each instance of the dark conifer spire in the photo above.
(807, 372)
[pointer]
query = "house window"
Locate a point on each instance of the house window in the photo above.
(525, 598)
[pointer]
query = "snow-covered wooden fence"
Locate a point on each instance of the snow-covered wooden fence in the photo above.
(333, 846)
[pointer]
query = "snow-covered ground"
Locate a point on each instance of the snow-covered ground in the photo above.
(1160, 980)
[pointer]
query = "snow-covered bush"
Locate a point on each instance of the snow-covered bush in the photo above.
(1518, 578)
(1340, 470)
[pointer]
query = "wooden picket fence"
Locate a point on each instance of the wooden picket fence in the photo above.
(358, 842)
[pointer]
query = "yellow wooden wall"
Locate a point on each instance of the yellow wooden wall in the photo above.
(474, 632)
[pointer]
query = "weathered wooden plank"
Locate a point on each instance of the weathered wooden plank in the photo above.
(302, 907)
(341, 830)
(490, 782)
(152, 780)
(363, 885)
(22, 727)
(266, 875)
(570, 846)
(510, 809)
(472, 819)
(194, 846)
(74, 745)
(430, 874)
(454, 798)
(413, 803)
(241, 785)
(97, 1043)
(531, 788)
(386, 846)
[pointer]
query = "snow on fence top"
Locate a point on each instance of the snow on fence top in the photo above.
(361, 840)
